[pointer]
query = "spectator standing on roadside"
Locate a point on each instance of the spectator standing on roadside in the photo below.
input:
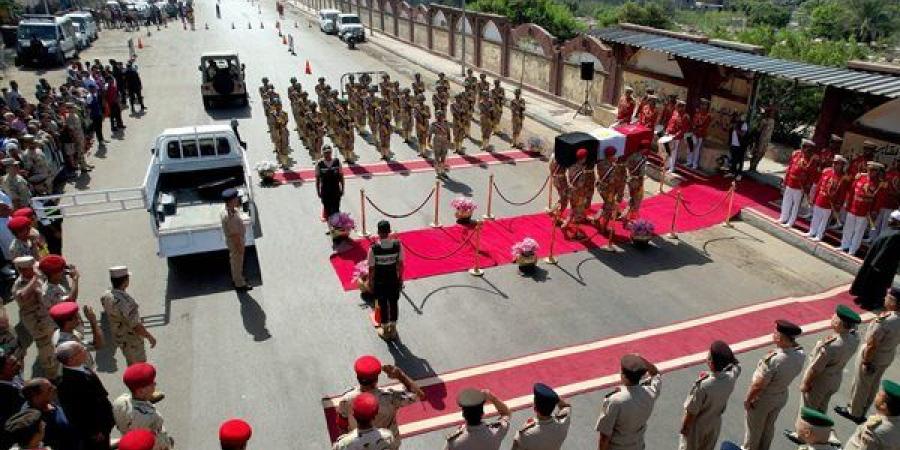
(134, 86)
(95, 110)
(59, 433)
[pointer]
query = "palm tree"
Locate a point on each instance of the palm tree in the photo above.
(874, 18)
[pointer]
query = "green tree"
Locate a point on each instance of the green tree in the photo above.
(763, 14)
(830, 20)
(553, 16)
(650, 14)
(874, 19)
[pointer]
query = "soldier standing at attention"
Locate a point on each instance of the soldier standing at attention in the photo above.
(388, 400)
(437, 99)
(395, 104)
(422, 115)
(135, 409)
(483, 87)
(827, 360)
(303, 123)
(280, 134)
(625, 109)
(406, 115)
(385, 262)
(383, 115)
(366, 436)
(517, 109)
(547, 431)
(321, 88)
(814, 429)
(362, 110)
(882, 430)
(329, 183)
(439, 135)
(879, 347)
(442, 83)
(371, 101)
(636, 172)
(124, 316)
(625, 411)
(561, 184)
(475, 434)
(498, 99)
(458, 113)
(345, 135)
(708, 399)
(418, 85)
(316, 132)
(768, 392)
(234, 229)
(35, 316)
(486, 110)
(470, 81)
(385, 86)
(581, 179)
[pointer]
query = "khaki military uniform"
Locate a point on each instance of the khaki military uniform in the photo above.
(439, 136)
(517, 109)
(418, 86)
(131, 414)
(280, 136)
(885, 331)
(76, 129)
(345, 137)
(28, 247)
(55, 293)
(406, 117)
(422, 115)
(389, 402)
(707, 402)
(544, 434)
(17, 189)
(321, 90)
(233, 228)
(878, 433)
(470, 99)
(561, 184)
(827, 361)
(611, 175)
(498, 99)
(486, 111)
(625, 411)
(478, 437)
(371, 439)
(776, 370)
(581, 190)
(459, 125)
(39, 174)
(635, 182)
(395, 104)
(383, 120)
(370, 102)
(482, 88)
(37, 321)
(316, 132)
(440, 101)
(360, 112)
(124, 316)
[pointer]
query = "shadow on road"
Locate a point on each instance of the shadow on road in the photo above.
(253, 317)
(418, 368)
(225, 112)
(661, 255)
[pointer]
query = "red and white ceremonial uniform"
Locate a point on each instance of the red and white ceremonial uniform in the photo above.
(860, 202)
(675, 130)
(829, 193)
(700, 127)
(886, 200)
(648, 115)
(795, 179)
(625, 110)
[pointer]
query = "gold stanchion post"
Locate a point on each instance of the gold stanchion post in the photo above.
(550, 195)
(551, 258)
(730, 203)
(476, 270)
(490, 198)
(362, 207)
(437, 205)
(672, 234)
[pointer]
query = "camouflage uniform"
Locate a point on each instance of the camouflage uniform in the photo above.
(611, 175)
(383, 118)
(300, 108)
(498, 98)
(38, 168)
(457, 110)
(280, 134)
(35, 316)
(561, 184)
(16, 187)
(406, 115)
(360, 110)
(482, 88)
(124, 316)
(439, 134)
(581, 187)
(395, 104)
(55, 293)
(517, 109)
(321, 89)
(316, 132)
(370, 101)
(344, 136)
(422, 115)
(486, 110)
(418, 85)
(131, 414)
(636, 174)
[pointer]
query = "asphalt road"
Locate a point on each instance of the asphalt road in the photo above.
(271, 354)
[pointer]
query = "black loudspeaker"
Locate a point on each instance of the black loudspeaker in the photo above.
(565, 146)
(587, 70)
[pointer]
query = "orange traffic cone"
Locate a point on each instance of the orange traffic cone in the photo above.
(308, 68)
(140, 43)
(284, 40)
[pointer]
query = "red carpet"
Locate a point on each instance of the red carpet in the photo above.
(499, 235)
(416, 165)
(595, 365)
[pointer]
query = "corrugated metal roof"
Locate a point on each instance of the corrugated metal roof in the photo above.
(854, 80)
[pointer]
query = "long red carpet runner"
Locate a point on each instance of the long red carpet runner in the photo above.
(438, 251)
(416, 165)
(595, 365)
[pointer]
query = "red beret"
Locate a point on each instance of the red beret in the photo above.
(365, 406)
(51, 264)
(19, 223)
(367, 367)
(609, 151)
(63, 312)
(581, 153)
(23, 212)
(138, 439)
(234, 432)
(139, 375)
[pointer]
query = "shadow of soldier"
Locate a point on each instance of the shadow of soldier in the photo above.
(253, 317)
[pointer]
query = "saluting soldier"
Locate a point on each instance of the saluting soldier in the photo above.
(625, 410)
(636, 164)
(457, 110)
(439, 136)
(57, 287)
(498, 99)
(406, 114)
(517, 109)
(876, 355)
(418, 85)
(827, 360)
(27, 290)
(366, 436)
(768, 392)
(882, 430)
(422, 115)
(475, 434)
(705, 404)
(548, 430)
(486, 111)
(280, 134)
(814, 429)
(135, 409)
(123, 313)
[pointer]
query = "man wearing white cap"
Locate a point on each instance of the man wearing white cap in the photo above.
(27, 290)
(829, 194)
(860, 203)
(888, 198)
(796, 179)
(125, 317)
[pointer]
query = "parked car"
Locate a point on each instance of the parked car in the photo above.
(350, 25)
(81, 39)
(45, 39)
(86, 21)
(328, 20)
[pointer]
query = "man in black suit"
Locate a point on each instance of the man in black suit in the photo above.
(11, 400)
(84, 398)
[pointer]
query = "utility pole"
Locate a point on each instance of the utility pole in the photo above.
(463, 60)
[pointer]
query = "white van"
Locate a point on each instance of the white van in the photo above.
(86, 21)
(328, 20)
(43, 38)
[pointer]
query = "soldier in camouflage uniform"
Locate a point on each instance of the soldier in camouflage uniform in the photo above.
(135, 408)
(360, 110)
(299, 111)
(611, 175)
(316, 132)
(561, 184)
(486, 111)
(636, 173)
(27, 290)
(395, 105)
(383, 118)
(483, 87)
(321, 89)
(439, 135)
(370, 101)
(470, 81)
(581, 188)
(457, 110)
(498, 98)
(469, 108)
(344, 134)
(35, 164)
(422, 115)
(406, 114)
(442, 83)
(280, 134)
(418, 85)
(14, 185)
(124, 317)
(264, 88)
(517, 109)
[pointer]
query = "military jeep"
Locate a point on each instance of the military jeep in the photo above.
(222, 78)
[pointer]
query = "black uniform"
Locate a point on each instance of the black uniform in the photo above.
(386, 282)
(331, 189)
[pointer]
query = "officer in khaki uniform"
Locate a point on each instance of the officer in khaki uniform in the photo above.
(768, 392)
(876, 355)
(124, 317)
(828, 358)
(625, 410)
(135, 409)
(406, 114)
(882, 430)
(475, 434)
(517, 109)
(814, 429)
(14, 185)
(705, 404)
(366, 436)
(234, 230)
(486, 111)
(36, 166)
(422, 115)
(27, 290)
(498, 100)
(458, 113)
(547, 431)
(439, 136)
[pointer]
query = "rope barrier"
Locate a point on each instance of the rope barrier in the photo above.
(400, 216)
(437, 258)
(533, 198)
(712, 210)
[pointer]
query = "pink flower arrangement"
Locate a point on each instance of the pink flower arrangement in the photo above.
(526, 247)
(642, 227)
(463, 204)
(341, 221)
(361, 271)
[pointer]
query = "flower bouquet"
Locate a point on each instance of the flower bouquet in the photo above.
(266, 171)
(464, 207)
(341, 224)
(642, 231)
(525, 255)
(361, 276)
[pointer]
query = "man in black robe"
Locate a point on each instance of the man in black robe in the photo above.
(877, 272)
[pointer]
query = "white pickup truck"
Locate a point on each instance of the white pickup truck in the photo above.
(182, 191)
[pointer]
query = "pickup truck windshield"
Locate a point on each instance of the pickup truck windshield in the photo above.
(43, 32)
(349, 20)
(188, 148)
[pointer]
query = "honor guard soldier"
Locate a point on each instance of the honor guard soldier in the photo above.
(234, 229)
(437, 99)
(768, 390)
(385, 260)
(439, 136)
(135, 410)
(388, 400)
(708, 399)
(645, 99)
(395, 104)
(303, 122)
(626, 106)
(498, 100)
(548, 430)
(365, 436)
(814, 430)
(611, 175)
(321, 89)
(418, 85)
(27, 290)
(860, 205)
(882, 430)
(280, 135)
(316, 132)
(442, 83)
(517, 109)
(636, 165)
(458, 113)
(353, 102)
(796, 181)
(830, 192)
(371, 102)
(648, 115)
(470, 82)
(483, 87)
(234, 434)
(422, 115)
(385, 86)
(827, 360)
(561, 184)
(625, 411)
(406, 114)
(383, 119)
(876, 355)
(124, 317)
(469, 98)
(139, 438)
(361, 110)
(486, 115)
(581, 178)
(475, 434)
(345, 136)
(264, 88)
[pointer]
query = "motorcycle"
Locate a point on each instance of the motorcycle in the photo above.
(351, 41)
